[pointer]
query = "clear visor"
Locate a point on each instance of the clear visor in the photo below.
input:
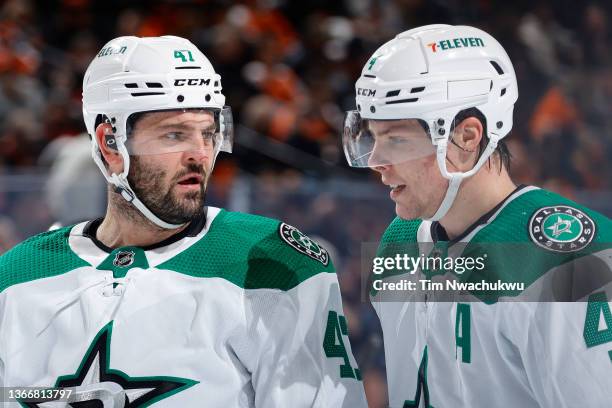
(371, 142)
(180, 130)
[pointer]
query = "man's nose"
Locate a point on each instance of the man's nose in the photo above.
(381, 168)
(197, 155)
(377, 162)
(199, 149)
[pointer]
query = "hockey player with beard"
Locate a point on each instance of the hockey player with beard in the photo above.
(433, 107)
(164, 301)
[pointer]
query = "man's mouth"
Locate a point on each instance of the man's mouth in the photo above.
(190, 179)
(396, 189)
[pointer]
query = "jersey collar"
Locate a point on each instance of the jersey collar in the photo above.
(192, 230)
(86, 247)
(438, 233)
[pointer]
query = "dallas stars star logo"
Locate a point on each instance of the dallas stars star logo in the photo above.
(300, 242)
(94, 368)
(560, 226)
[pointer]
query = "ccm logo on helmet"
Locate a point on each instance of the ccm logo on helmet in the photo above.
(366, 92)
(191, 82)
(457, 43)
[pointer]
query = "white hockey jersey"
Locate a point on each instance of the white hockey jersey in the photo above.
(506, 349)
(235, 311)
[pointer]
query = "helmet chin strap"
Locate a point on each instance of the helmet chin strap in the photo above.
(123, 186)
(447, 202)
(455, 179)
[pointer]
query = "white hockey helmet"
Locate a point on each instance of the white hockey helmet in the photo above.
(134, 75)
(430, 74)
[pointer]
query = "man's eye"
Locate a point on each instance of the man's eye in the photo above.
(397, 140)
(173, 136)
(209, 137)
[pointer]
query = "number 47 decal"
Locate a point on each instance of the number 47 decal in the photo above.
(181, 54)
(336, 328)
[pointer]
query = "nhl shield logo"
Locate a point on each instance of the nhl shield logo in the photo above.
(561, 228)
(297, 240)
(124, 258)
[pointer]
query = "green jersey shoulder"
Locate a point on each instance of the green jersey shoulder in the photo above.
(41, 256)
(548, 221)
(530, 234)
(253, 252)
(250, 251)
(537, 216)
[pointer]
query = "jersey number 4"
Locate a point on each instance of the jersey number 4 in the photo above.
(598, 321)
(463, 339)
(333, 344)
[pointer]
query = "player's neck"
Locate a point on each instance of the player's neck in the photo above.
(124, 225)
(477, 196)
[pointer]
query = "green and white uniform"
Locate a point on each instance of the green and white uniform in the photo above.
(243, 311)
(492, 352)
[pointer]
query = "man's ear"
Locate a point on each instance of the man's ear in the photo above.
(464, 142)
(468, 134)
(108, 147)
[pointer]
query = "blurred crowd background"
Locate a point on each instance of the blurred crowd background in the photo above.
(288, 70)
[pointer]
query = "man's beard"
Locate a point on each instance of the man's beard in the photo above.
(147, 182)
